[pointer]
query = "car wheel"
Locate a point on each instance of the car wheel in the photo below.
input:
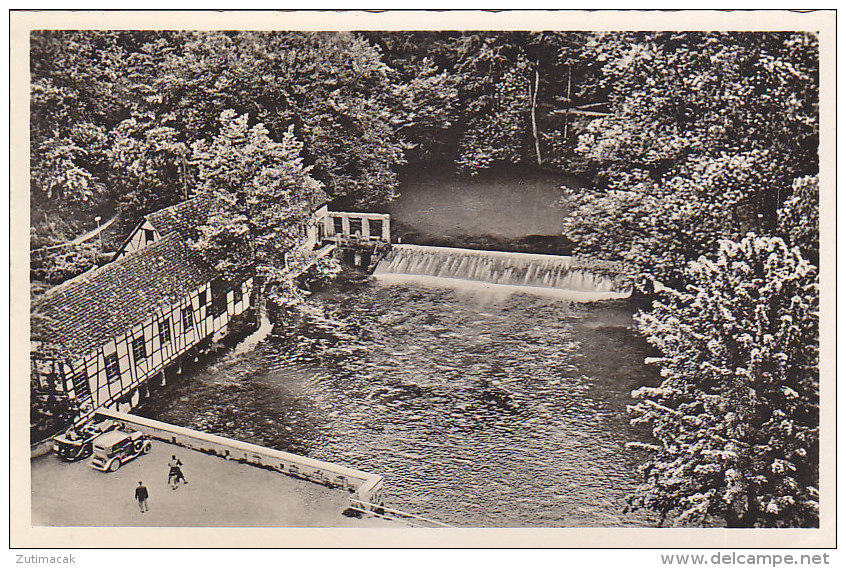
(114, 465)
(146, 448)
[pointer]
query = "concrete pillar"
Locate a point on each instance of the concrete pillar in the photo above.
(365, 227)
(164, 378)
(328, 226)
(386, 228)
(345, 224)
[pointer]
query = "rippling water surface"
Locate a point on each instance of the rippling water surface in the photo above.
(478, 410)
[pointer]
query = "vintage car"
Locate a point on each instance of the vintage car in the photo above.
(116, 447)
(75, 443)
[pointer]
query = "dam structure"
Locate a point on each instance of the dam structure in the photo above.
(563, 277)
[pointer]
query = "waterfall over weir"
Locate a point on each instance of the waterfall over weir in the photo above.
(543, 274)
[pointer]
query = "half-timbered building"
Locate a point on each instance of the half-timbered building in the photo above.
(116, 327)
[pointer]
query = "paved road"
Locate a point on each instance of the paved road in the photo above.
(220, 493)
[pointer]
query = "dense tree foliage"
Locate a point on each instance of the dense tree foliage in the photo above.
(706, 134)
(333, 88)
(670, 126)
(263, 195)
(519, 97)
(710, 136)
(737, 414)
(799, 218)
(114, 114)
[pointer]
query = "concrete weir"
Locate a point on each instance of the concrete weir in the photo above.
(542, 274)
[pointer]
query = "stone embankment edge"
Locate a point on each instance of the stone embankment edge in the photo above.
(366, 487)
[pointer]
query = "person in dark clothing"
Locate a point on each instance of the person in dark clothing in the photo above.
(175, 472)
(141, 496)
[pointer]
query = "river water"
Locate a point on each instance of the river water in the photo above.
(479, 409)
(500, 204)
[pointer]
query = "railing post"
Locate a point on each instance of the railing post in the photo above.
(386, 228)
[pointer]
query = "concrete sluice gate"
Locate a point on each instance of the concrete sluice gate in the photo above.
(542, 274)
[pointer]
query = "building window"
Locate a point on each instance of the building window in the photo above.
(149, 235)
(338, 224)
(201, 299)
(187, 320)
(219, 292)
(112, 367)
(139, 349)
(164, 331)
(80, 384)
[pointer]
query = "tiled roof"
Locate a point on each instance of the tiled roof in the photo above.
(103, 303)
(186, 216)
(100, 304)
(182, 217)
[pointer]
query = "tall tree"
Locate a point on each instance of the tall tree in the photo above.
(736, 417)
(425, 112)
(263, 195)
(114, 113)
(524, 97)
(496, 86)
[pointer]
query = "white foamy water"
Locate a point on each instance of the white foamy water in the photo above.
(561, 277)
(498, 290)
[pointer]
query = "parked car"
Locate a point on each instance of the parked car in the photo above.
(75, 443)
(116, 447)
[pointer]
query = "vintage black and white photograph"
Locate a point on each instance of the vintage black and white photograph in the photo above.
(551, 277)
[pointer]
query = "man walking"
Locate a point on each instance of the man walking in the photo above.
(175, 474)
(141, 495)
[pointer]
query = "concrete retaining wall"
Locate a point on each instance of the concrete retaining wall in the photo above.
(366, 487)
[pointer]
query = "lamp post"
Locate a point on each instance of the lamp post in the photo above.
(99, 234)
